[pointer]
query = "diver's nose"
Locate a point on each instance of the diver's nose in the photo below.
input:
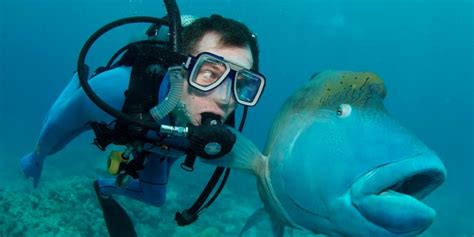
(223, 93)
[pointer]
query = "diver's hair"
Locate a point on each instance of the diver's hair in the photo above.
(232, 33)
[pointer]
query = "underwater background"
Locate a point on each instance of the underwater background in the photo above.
(423, 49)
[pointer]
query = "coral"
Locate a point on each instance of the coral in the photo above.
(68, 207)
(63, 208)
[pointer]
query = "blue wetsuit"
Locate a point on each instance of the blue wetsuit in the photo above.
(71, 115)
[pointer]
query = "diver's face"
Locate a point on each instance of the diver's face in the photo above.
(219, 101)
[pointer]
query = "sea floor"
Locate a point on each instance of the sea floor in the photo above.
(68, 207)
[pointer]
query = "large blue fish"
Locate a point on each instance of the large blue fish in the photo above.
(336, 163)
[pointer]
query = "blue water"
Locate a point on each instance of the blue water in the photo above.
(423, 49)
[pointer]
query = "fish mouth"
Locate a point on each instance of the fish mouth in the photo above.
(390, 195)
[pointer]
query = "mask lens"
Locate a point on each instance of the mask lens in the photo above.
(208, 71)
(247, 86)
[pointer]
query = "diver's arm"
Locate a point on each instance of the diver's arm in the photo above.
(70, 116)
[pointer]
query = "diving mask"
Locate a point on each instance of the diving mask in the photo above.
(207, 71)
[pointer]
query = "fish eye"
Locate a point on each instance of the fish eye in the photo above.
(344, 110)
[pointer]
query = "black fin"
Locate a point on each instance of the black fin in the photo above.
(116, 218)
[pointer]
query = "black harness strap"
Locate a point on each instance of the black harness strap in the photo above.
(141, 95)
(190, 215)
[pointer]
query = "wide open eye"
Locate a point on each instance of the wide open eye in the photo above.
(344, 110)
(209, 73)
(207, 77)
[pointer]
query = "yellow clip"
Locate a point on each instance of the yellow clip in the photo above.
(114, 161)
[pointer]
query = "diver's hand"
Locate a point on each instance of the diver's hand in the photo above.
(211, 141)
(32, 167)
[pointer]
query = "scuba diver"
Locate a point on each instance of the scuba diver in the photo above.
(175, 102)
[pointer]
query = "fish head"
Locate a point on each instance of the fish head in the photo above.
(339, 164)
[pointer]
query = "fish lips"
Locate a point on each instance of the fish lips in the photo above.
(390, 195)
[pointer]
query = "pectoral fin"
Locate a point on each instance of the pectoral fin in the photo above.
(257, 217)
(278, 228)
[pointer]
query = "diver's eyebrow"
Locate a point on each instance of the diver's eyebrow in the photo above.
(213, 66)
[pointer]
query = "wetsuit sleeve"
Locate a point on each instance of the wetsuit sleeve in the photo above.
(70, 115)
